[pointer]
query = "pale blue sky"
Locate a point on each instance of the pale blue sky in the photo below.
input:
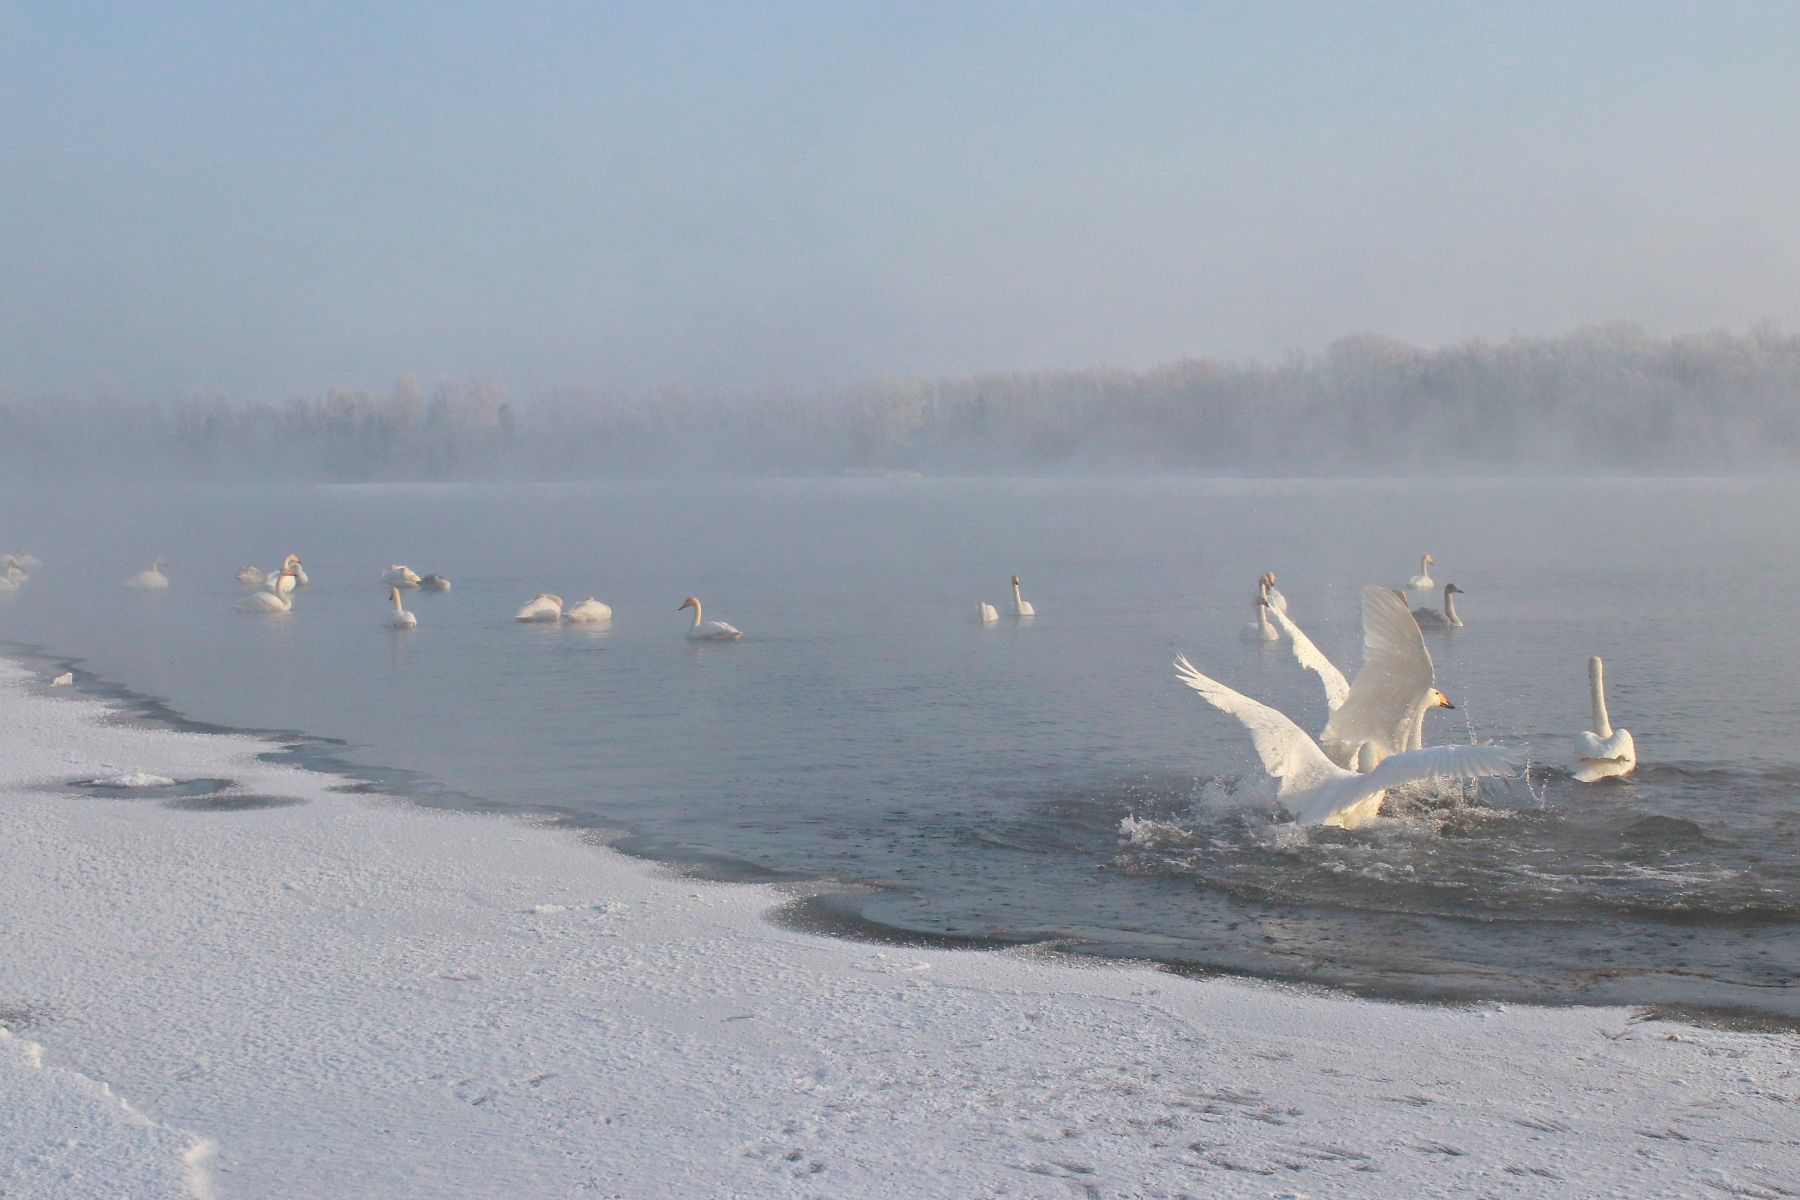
(267, 199)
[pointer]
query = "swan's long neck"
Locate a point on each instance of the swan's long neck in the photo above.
(1450, 606)
(1597, 682)
(1016, 596)
(1262, 618)
(1425, 565)
(696, 624)
(395, 593)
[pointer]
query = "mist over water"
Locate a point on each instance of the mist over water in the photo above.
(1043, 779)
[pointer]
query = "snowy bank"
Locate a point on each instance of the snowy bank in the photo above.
(225, 993)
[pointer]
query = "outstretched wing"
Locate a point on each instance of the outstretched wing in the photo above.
(1396, 673)
(1310, 657)
(1287, 752)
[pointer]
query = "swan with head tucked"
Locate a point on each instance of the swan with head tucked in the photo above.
(1431, 618)
(986, 613)
(26, 562)
(1320, 792)
(434, 583)
(150, 580)
(1021, 606)
(273, 598)
(252, 577)
(589, 611)
(1422, 582)
(1386, 703)
(1276, 600)
(1602, 752)
(401, 618)
(544, 606)
(1259, 630)
(398, 575)
(11, 574)
(711, 631)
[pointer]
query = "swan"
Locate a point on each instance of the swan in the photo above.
(1603, 752)
(1277, 601)
(152, 579)
(1422, 582)
(1431, 618)
(590, 611)
(541, 607)
(435, 583)
(712, 631)
(253, 576)
(291, 567)
(401, 618)
(1386, 703)
(277, 597)
(1259, 630)
(1320, 792)
(27, 562)
(400, 576)
(1021, 606)
(986, 613)
(15, 570)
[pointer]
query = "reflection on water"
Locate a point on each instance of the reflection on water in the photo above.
(1042, 779)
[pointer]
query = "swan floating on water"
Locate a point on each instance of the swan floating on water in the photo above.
(710, 631)
(152, 579)
(296, 574)
(1603, 752)
(434, 583)
(1385, 705)
(1422, 582)
(986, 613)
(1276, 600)
(14, 570)
(1431, 618)
(252, 576)
(1320, 792)
(66, 679)
(1021, 606)
(542, 607)
(398, 575)
(590, 611)
(401, 618)
(277, 597)
(1259, 630)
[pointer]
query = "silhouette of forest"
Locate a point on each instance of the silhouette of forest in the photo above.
(1611, 399)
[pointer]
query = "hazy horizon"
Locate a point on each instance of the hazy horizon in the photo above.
(271, 201)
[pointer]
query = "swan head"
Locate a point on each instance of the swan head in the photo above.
(292, 560)
(1430, 561)
(159, 561)
(1450, 589)
(1015, 582)
(690, 602)
(1439, 700)
(1268, 579)
(394, 594)
(1594, 667)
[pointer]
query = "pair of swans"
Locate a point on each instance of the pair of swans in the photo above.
(398, 575)
(987, 614)
(1267, 600)
(548, 607)
(1320, 792)
(151, 580)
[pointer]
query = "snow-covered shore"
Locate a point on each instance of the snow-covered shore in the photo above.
(235, 995)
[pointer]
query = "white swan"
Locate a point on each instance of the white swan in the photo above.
(712, 631)
(277, 597)
(1318, 791)
(290, 567)
(1422, 582)
(590, 611)
(14, 570)
(401, 618)
(542, 607)
(1603, 752)
(1431, 618)
(435, 583)
(1021, 606)
(1276, 600)
(986, 613)
(1259, 630)
(400, 576)
(152, 579)
(253, 576)
(1387, 700)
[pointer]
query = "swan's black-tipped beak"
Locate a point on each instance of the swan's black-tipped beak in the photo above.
(1445, 703)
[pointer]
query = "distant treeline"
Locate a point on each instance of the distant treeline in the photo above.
(1610, 399)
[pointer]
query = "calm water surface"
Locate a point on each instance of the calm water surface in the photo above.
(1043, 779)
